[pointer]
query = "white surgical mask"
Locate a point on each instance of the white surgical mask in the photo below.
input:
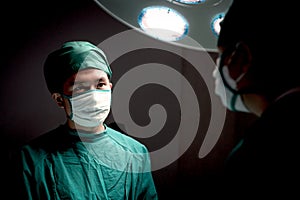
(90, 108)
(231, 100)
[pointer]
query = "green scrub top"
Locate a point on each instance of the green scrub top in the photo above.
(65, 164)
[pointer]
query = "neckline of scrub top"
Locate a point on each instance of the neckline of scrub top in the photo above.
(88, 137)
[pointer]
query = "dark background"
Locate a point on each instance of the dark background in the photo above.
(32, 29)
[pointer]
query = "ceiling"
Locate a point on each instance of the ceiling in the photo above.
(199, 17)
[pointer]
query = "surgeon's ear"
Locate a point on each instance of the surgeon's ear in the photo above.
(240, 59)
(58, 99)
(245, 51)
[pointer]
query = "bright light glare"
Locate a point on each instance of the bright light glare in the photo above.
(163, 23)
(215, 23)
(190, 2)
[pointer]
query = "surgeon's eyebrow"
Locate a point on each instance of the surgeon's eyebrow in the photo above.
(101, 79)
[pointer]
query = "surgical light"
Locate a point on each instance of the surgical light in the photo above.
(188, 2)
(163, 23)
(215, 23)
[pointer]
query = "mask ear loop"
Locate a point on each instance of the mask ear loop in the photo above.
(71, 108)
(220, 67)
(233, 102)
(235, 92)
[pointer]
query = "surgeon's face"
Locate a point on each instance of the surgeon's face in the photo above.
(84, 80)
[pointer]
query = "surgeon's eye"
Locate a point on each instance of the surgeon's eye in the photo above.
(100, 85)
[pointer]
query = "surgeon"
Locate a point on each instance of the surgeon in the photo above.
(258, 73)
(83, 159)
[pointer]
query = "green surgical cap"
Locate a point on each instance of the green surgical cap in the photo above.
(69, 59)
